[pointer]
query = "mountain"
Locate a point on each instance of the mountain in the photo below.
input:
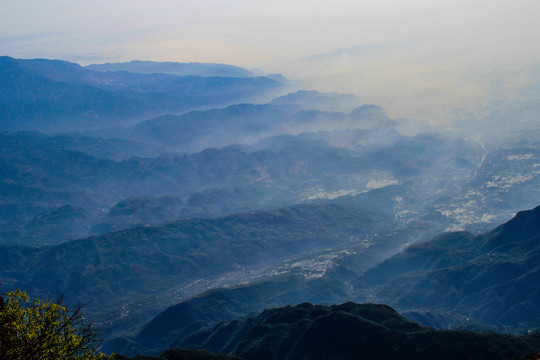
(314, 100)
(324, 277)
(58, 96)
(447, 183)
(58, 225)
(486, 279)
(40, 174)
(247, 123)
(129, 275)
(140, 211)
(352, 331)
(197, 130)
(174, 68)
(205, 310)
(110, 148)
(30, 100)
(269, 205)
(43, 173)
(421, 275)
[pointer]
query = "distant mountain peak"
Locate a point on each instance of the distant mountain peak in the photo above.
(524, 228)
(175, 68)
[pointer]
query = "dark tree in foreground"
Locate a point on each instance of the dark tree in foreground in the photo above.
(43, 329)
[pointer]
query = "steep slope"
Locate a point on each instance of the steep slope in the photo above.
(352, 331)
(488, 279)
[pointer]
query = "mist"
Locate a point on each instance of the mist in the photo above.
(283, 151)
(421, 60)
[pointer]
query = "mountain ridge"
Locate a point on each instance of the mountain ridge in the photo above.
(59, 96)
(350, 331)
(488, 278)
(155, 263)
(389, 281)
(175, 68)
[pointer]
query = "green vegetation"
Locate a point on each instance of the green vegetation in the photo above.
(352, 331)
(172, 326)
(151, 262)
(487, 279)
(45, 330)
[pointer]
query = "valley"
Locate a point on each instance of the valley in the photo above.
(204, 201)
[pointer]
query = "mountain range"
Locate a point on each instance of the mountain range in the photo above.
(90, 179)
(208, 206)
(174, 68)
(150, 266)
(59, 96)
(444, 283)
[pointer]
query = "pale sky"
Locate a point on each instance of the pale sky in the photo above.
(416, 58)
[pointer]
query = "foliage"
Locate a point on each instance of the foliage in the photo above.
(116, 268)
(488, 279)
(206, 310)
(44, 329)
(352, 331)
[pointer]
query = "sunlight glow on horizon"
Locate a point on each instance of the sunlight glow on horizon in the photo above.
(414, 58)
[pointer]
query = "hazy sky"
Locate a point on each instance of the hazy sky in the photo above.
(415, 58)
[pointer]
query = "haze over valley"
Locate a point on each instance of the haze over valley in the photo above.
(333, 201)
